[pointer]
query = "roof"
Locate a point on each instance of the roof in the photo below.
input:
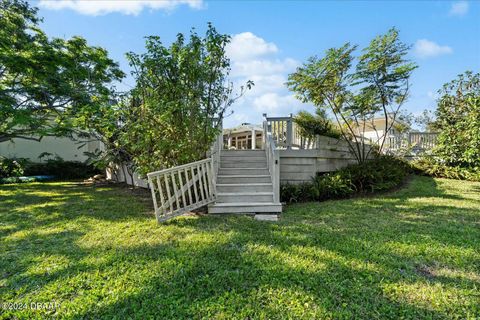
(244, 127)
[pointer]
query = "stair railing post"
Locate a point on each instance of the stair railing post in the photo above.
(276, 177)
(289, 131)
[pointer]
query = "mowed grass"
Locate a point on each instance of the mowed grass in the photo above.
(99, 253)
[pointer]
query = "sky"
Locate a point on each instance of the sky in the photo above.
(270, 39)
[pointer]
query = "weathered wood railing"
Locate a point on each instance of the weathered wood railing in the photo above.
(180, 189)
(417, 141)
(273, 161)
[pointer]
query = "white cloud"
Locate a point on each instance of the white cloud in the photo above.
(425, 48)
(459, 8)
(246, 45)
(262, 67)
(254, 58)
(275, 102)
(128, 7)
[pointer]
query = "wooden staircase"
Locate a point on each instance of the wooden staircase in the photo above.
(244, 184)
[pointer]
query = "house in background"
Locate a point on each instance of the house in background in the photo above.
(241, 137)
(63, 147)
(375, 128)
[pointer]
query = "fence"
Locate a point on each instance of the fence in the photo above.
(183, 188)
(417, 141)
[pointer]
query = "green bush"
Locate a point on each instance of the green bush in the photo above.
(380, 174)
(310, 125)
(430, 166)
(16, 180)
(458, 120)
(62, 169)
(331, 186)
(296, 192)
(12, 167)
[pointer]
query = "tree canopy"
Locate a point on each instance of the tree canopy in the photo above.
(377, 85)
(182, 93)
(458, 121)
(45, 82)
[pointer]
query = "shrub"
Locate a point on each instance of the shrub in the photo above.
(458, 120)
(311, 125)
(12, 167)
(380, 174)
(331, 186)
(62, 169)
(433, 167)
(296, 192)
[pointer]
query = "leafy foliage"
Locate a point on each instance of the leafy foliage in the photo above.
(434, 167)
(61, 169)
(292, 193)
(379, 85)
(11, 167)
(311, 125)
(458, 121)
(45, 82)
(380, 174)
(181, 96)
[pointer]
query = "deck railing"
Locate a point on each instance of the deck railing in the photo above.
(273, 161)
(286, 134)
(416, 141)
(187, 187)
(180, 189)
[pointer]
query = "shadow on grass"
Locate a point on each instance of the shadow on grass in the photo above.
(332, 259)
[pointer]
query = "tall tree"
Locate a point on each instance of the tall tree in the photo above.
(44, 82)
(182, 93)
(377, 85)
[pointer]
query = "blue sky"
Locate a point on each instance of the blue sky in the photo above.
(270, 39)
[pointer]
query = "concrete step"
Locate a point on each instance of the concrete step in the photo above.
(244, 187)
(236, 179)
(243, 208)
(244, 197)
(242, 171)
(243, 153)
(243, 164)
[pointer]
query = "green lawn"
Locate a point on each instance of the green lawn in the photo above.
(98, 253)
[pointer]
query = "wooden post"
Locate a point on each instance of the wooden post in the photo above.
(253, 139)
(289, 131)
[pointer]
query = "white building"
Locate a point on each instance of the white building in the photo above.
(66, 148)
(240, 138)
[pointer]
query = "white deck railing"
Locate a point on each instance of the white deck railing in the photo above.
(417, 141)
(273, 161)
(180, 189)
(286, 134)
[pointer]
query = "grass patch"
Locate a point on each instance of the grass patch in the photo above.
(98, 252)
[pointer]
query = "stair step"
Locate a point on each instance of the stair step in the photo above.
(244, 187)
(242, 208)
(233, 153)
(235, 179)
(245, 197)
(243, 164)
(242, 171)
(253, 158)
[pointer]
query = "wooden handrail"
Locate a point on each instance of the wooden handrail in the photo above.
(273, 161)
